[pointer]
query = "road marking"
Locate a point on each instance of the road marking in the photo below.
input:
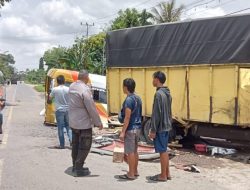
(1, 169)
(6, 131)
(6, 135)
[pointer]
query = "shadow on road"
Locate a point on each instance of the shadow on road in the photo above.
(69, 172)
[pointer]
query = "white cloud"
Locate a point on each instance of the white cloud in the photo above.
(62, 16)
(16, 26)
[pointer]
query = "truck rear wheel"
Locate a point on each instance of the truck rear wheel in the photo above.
(146, 129)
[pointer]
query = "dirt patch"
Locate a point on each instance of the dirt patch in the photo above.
(188, 158)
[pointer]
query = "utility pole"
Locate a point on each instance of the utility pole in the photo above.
(88, 26)
(87, 43)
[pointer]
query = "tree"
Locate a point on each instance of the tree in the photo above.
(145, 18)
(166, 12)
(6, 65)
(52, 57)
(2, 2)
(6, 58)
(95, 53)
(83, 54)
(131, 18)
(35, 76)
(41, 64)
(74, 57)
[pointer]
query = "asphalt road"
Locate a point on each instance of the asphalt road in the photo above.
(28, 163)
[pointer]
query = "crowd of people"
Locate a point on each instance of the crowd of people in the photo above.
(77, 113)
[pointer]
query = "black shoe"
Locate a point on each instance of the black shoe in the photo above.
(81, 173)
(84, 168)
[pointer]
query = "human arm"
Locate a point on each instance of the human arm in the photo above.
(51, 95)
(155, 118)
(91, 108)
(126, 123)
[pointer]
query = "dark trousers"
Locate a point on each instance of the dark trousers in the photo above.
(81, 144)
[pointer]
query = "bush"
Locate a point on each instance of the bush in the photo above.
(40, 88)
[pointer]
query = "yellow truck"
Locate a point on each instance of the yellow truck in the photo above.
(207, 63)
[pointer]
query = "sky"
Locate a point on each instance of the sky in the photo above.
(29, 27)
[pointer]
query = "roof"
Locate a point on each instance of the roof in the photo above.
(205, 41)
(69, 75)
(98, 81)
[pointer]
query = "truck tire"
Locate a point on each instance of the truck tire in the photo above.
(172, 133)
(146, 128)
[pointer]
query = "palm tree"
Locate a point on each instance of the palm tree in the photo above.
(166, 12)
(145, 18)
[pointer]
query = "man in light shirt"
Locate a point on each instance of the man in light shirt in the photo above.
(83, 116)
(60, 94)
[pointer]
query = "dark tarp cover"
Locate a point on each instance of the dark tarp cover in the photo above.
(208, 41)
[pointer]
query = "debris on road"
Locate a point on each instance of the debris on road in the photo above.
(118, 155)
(189, 168)
(220, 150)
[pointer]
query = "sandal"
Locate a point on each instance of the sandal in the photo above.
(126, 177)
(157, 178)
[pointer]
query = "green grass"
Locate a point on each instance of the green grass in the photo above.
(40, 88)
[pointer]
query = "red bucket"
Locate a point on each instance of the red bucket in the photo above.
(200, 147)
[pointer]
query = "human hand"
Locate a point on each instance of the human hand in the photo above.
(152, 135)
(100, 127)
(122, 136)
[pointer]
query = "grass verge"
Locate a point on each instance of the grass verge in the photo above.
(40, 88)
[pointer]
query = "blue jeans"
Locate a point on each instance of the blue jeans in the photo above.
(62, 119)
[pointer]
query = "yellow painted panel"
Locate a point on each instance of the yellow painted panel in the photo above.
(124, 73)
(199, 97)
(177, 86)
(149, 91)
(113, 90)
(139, 76)
(224, 86)
(244, 97)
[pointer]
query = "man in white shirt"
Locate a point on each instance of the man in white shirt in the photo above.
(61, 96)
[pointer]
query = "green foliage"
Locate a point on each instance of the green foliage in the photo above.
(2, 2)
(95, 48)
(74, 57)
(41, 64)
(35, 76)
(145, 18)
(52, 57)
(131, 18)
(166, 12)
(6, 65)
(40, 88)
(84, 54)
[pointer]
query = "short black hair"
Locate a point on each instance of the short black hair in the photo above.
(60, 80)
(160, 76)
(130, 84)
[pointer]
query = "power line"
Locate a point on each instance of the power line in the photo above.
(115, 13)
(193, 4)
(198, 5)
(88, 26)
(238, 11)
(202, 11)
